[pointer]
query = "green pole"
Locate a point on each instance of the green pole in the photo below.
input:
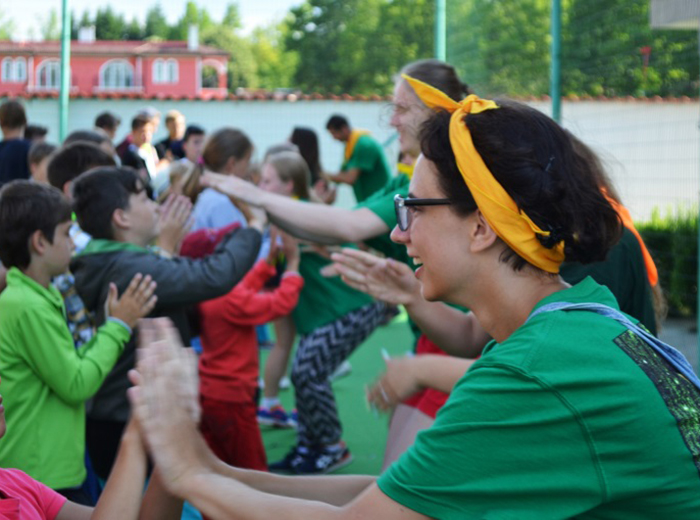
(555, 70)
(65, 74)
(697, 312)
(441, 30)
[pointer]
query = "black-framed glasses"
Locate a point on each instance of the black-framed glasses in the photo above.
(402, 204)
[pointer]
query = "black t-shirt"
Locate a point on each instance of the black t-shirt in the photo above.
(169, 144)
(13, 159)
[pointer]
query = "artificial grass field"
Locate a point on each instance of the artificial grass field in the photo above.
(363, 431)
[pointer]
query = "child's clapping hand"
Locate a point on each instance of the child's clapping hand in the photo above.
(290, 248)
(136, 302)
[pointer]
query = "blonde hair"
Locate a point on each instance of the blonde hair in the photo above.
(290, 166)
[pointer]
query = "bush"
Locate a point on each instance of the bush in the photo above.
(672, 241)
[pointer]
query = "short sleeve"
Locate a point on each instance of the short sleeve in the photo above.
(364, 156)
(505, 446)
(381, 203)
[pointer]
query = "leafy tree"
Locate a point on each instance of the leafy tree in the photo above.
(192, 16)
(51, 26)
(156, 23)
(7, 27)
(501, 47)
(603, 43)
(275, 65)
(109, 25)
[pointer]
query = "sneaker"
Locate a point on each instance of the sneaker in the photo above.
(321, 461)
(275, 417)
(343, 370)
(290, 460)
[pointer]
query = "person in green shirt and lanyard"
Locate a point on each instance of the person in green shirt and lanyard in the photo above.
(364, 167)
(573, 411)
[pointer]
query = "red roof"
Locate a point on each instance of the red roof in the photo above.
(107, 47)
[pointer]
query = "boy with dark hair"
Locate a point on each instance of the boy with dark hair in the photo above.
(38, 158)
(111, 204)
(73, 159)
(35, 133)
(46, 381)
(14, 148)
(108, 123)
(364, 167)
(193, 143)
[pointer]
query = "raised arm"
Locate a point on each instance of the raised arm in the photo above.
(315, 222)
(221, 492)
(454, 331)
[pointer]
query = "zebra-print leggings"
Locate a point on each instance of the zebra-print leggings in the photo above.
(318, 355)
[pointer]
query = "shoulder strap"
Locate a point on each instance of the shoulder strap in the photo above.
(669, 353)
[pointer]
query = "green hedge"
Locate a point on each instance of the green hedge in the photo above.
(673, 243)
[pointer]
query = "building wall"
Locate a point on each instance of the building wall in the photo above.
(651, 149)
(85, 76)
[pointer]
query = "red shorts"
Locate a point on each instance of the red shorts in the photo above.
(428, 401)
(232, 432)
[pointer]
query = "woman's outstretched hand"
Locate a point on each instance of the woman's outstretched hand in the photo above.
(383, 278)
(233, 187)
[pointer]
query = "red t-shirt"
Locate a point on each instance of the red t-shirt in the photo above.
(27, 499)
(228, 366)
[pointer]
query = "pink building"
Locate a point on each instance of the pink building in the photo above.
(168, 69)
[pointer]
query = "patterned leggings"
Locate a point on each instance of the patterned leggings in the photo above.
(318, 355)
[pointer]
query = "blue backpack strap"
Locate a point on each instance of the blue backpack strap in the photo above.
(669, 353)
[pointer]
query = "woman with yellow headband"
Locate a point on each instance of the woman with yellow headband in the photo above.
(572, 411)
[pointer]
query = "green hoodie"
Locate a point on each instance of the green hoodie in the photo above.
(46, 381)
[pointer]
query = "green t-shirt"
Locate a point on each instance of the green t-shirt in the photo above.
(46, 381)
(624, 273)
(323, 300)
(571, 416)
(369, 158)
(381, 203)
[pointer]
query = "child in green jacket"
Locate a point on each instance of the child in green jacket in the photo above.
(45, 380)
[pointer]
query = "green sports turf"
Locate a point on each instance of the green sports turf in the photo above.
(364, 432)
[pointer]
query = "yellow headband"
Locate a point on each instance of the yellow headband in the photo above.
(511, 224)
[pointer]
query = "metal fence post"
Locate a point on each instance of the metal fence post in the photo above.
(65, 74)
(441, 30)
(555, 66)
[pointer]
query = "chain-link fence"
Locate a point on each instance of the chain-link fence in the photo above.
(630, 92)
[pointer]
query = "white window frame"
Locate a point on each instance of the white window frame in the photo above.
(20, 65)
(45, 64)
(158, 71)
(123, 72)
(172, 70)
(7, 70)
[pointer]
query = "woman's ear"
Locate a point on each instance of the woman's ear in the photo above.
(482, 234)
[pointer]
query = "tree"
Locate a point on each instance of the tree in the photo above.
(109, 25)
(275, 65)
(7, 27)
(602, 52)
(192, 16)
(51, 26)
(156, 23)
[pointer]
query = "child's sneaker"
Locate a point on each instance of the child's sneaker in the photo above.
(323, 460)
(293, 458)
(276, 417)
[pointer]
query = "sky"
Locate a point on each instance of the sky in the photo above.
(29, 14)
